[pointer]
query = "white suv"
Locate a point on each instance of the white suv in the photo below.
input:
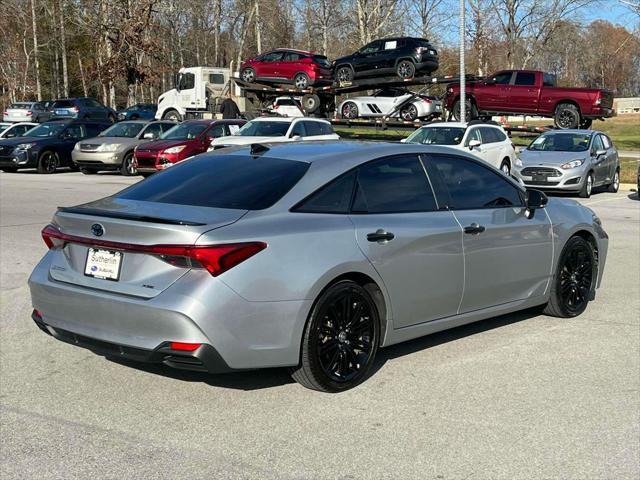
(276, 130)
(487, 141)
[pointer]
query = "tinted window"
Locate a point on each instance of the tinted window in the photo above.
(216, 131)
(322, 61)
(332, 198)
(222, 181)
(326, 128)
(491, 135)
(502, 78)
(52, 129)
(264, 129)
(94, 129)
(63, 104)
(187, 81)
(298, 129)
(313, 128)
(561, 142)
(371, 48)
(437, 136)
(525, 78)
(473, 186)
(474, 134)
(292, 57)
(74, 131)
(167, 126)
(548, 80)
(390, 185)
(272, 57)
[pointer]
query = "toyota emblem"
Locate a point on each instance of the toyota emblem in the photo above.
(97, 229)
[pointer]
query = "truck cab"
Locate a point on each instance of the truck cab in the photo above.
(197, 92)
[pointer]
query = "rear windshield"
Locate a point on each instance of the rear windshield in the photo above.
(437, 136)
(63, 104)
(264, 129)
(124, 129)
(184, 131)
(21, 106)
(221, 181)
(561, 142)
(322, 60)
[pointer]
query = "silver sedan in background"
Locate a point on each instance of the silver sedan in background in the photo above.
(113, 148)
(309, 255)
(570, 161)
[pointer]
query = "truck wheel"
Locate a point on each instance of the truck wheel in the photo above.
(567, 116)
(172, 115)
(405, 69)
(344, 74)
(310, 103)
(586, 123)
(349, 111)
(470, 111)
(248, 75)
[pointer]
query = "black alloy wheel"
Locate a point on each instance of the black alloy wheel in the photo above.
(341, 339)
(573, 282)
(345, 74)
(405, 69)
(48, 162)
(567, 116)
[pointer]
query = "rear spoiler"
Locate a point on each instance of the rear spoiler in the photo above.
(128, 216)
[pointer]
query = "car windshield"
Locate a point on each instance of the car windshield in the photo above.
(264, 129)
(221, 181)
(47, 130)
(3, 127)
(21, 106)
(184, 131)
(124, 129)
(437, 136)
(561, 142)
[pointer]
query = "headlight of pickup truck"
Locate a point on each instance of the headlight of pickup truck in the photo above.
(572, 164)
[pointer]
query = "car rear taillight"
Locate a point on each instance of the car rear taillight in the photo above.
(426, 99)
(29, 114)
(75, 109)
(216, 259)
(598, 100)
(185, 347)
(5, 113)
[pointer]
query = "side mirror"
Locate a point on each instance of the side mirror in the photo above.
(600, 153)
(404, 140)
(535, 199)
(10, 135)
(474, 143)
(208, 139)
(149, 135)
(296, 138)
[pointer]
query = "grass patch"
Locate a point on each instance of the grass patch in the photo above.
(623, 130)
(628, 170)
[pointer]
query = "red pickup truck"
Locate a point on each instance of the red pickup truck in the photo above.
(529, 92)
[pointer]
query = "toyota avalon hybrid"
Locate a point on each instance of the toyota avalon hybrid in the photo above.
(310, 256)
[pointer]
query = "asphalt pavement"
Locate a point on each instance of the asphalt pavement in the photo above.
(522, 396)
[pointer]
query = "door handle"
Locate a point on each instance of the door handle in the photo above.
(380, 236)
(474, 229)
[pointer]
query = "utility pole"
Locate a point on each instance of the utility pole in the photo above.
(463, 102)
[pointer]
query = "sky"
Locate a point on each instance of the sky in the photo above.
(613, 11)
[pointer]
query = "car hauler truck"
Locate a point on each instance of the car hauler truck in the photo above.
(198, 92)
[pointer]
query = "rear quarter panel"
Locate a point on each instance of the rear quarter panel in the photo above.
(550, 97)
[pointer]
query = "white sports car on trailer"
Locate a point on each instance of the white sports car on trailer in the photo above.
(392, 102)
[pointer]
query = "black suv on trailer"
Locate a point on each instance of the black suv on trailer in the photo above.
(48, 146)
(402, 56)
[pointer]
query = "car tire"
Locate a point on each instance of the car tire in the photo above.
(567, 116)
(301, 81)
(573, 281)
(48, 162)
(88, 171)
(128, 168)
(339, 345)
(615, 184)
(587, 186)
(409, 113)
(505, 167)
(405, 69)
(248, 75)
(349, 111)
(147, 174)
(345, 74)
(9, 169)
(471, 111)
(172, 115)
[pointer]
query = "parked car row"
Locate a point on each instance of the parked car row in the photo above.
(81, 108)
(401, 56)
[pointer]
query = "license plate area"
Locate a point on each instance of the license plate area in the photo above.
(104, 264)
(540, 177)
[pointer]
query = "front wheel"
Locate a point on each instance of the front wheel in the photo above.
(587, 186)
(128, 167)
(470, 111)
(248, 75)
(340, 340)
(574, 279)
(345, 74)
(301, 81)
(48, 162)
(349, 111)
(506, 167)
(172, 115)
(567, 116)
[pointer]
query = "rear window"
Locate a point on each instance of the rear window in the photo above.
(221, 181)
(22, 106)
(63, 104)
(525, 78)
(322, 60)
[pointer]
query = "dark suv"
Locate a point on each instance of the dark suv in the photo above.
(48, 146)
(402, 56)
(82, 108)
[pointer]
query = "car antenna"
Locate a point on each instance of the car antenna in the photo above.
(258, 149)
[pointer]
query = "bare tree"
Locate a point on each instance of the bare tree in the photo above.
(373, 17)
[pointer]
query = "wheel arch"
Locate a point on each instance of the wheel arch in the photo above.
(344, 64)
(569, 101)
(400, 59)
(590, 237)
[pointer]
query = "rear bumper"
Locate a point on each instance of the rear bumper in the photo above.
(427, 64)
(197, 308)
(600, 112)
(15, 119)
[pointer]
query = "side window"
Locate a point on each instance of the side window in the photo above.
(548, 80)
(373, 47)
(326, 129)
(292, 57)
(605, 141)
(187, 81)
(167, 126)
(487, 135)
(502, 78)
(272, 57)
(153, 129)
(74, 131)
(597, 144)
(472, 186)
(393, 185)
(474, 134)
(525, 78)
(298, 129)
(313, 128)
(216, 131)
(334, 197)
(499, 135)
(94, 103)
(93, 130)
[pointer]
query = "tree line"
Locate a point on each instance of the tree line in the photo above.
(127, 51)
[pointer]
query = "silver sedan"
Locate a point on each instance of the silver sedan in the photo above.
(310, 256)
(571, 161)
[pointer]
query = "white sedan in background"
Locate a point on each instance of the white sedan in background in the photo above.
(277, 130)
(385, 102)
(487, 141)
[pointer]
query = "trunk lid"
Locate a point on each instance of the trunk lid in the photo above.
(132, 222)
